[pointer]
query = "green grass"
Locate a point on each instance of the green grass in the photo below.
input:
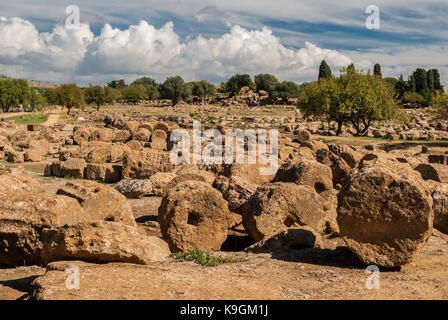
(33, 170)
(72, 178)
(28, 119)
(50, 178)
(202, 257)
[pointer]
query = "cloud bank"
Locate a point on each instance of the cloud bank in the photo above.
(64, 55)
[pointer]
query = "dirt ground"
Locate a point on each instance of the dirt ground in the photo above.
(328, 273)
(331, 272)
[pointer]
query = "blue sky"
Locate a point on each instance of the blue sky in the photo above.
(213, 39)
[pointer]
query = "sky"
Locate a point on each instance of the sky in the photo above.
(212, 40)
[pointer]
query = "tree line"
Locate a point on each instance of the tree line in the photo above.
(17, 91)
(360, 99)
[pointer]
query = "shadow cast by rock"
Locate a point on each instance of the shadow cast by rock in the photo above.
(340, 257)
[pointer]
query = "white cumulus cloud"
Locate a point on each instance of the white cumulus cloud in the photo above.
(79, 55)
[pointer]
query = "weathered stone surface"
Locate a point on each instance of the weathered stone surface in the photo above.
(103, 242)
(350, 156)
(25, 210)
(134, 188)
(42, 146)
(433, 171)
(21, 139)
(73, 167)
(440, 206)
(300, 238)
(279, 206)
(193, 215)
(15, 156)
(102, 134)
(142, 135)
(385, 213)
(144, 164)
(106, 172)
(19, 184)
(340, 169)
(303, 135)
(160, 182)
(236, 191)
(308, 173)
(121, 135)
(81, 134)
(99, 202)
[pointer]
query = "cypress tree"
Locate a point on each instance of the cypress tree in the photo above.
(437, 84)
(430, 80)
(377, 70)
(401, 87)
(324, 70)
(421, 83)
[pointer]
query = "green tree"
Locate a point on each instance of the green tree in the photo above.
(238, 81)
(391, 82)
(202, 88)
(421, 84)
(411, 84)
(400, 87)
(440, 105)
(13, 92)
(437, 84)
(324, 71)
(176, 89)
(352, 98)
(117, 84)
(377, 70)
(414, 98)
(430, 80)
(287, 89)
(150, 85)
(266, 82)
(134, 93)
(69, 96)
(36, 99)
(95, 95)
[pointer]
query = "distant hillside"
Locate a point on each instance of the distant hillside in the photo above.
(43, 85)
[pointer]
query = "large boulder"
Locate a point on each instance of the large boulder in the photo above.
(134, 188)
(303, 135)
(193, 215)
(350, 156)
(25, 211)
(103, 135)
(144, 164)
(300, 238)
(21, 139)
(106, 172)
(19, 184)
(142, 135)
(440, 206)
(102, 242)
(99, 202)
(279, 206)
(159, 140)
(385, 212)
(82, 134)
(236, 191)
(15, 156)
(308, 173)
(73, 167)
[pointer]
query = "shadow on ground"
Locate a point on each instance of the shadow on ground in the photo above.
(340, 257)
(21, 284)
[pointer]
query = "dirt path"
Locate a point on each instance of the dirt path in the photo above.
(52, 119)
